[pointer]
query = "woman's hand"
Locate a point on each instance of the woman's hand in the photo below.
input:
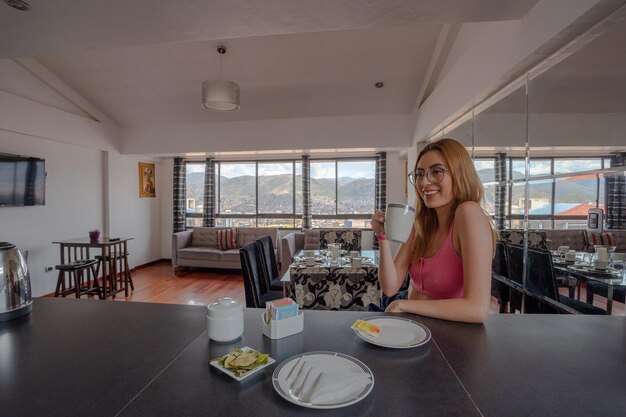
(378, 223)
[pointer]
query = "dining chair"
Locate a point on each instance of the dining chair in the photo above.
(542, 295)
(256, 297)
(269, 268)
(499, 289)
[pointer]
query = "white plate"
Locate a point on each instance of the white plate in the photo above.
(396, 332)
(231, 374)
(326, 360)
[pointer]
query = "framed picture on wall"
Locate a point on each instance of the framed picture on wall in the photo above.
(147, 183)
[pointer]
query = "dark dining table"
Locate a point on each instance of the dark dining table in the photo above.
(113, 252)
(611, 280)
(104, 358)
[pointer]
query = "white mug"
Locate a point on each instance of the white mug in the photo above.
(309, 253)
(310, 261)
(334, 252)
(399, 221)
(563, 249)
(570, 256)
(356, 262)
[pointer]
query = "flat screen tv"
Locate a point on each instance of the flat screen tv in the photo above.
(22, 180)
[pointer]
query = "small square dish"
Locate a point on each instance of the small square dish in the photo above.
(214, 363)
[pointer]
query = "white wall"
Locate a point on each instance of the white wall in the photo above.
(73, 204)
(371, 131)
(90, 185)
(131, 216)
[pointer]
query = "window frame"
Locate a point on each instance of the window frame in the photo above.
(297, 212)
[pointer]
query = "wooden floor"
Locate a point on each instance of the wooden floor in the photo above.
(155, 284)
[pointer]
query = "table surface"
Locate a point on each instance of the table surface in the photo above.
(85, 241)
(105, 358)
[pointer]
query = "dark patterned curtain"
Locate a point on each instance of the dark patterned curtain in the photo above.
(208, 209)
(306, 192)
(381, 181)
(380, 187)
(500, 200)
(616, 195)
(180, 205)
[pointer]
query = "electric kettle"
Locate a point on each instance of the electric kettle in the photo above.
(15, 296)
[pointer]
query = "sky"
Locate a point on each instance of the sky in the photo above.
(353, 169)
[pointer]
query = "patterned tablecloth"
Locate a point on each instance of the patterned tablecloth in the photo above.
(326, 287)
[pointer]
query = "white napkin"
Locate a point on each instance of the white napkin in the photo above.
(312, 383)
(337, 386)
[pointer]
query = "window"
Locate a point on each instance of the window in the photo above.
(269, 193)
(342, 192)
(557, 200)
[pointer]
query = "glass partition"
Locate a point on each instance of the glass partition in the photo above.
(548, 148)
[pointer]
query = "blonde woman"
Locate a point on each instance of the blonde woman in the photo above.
(448, 254)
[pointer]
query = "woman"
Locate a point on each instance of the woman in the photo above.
(449, 251)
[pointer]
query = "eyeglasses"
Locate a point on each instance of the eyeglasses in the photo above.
(435, 175)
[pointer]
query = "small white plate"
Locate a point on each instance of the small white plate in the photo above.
(396, 332)
(326, 360)
(216, 364)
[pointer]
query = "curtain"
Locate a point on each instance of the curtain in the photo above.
(208, 209)
(616, 195)
(380, 187)
(179, 206)
(306, 192)
(381, 181)
(500, 202)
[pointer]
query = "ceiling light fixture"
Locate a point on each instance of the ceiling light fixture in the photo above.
(18, 4)
(220, 94)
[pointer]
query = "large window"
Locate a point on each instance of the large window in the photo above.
(561, 191)
(342, 192)
(269, 193)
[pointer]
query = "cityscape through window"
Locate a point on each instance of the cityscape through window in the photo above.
(269, 193)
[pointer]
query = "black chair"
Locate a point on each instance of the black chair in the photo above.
(251, 267)
(269, 267)
(542, 295)
(499, 289)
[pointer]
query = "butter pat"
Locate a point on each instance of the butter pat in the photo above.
(366, 327)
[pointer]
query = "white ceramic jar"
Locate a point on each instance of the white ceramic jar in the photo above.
(224, 320)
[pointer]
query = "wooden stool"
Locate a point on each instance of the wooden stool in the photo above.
(118, 273)
(78, 282)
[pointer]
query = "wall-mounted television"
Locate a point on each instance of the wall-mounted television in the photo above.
(22, 180)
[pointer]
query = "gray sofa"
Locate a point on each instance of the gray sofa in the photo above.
(580, 240)
(198, 247)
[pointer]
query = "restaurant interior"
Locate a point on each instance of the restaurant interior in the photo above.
(118, 107)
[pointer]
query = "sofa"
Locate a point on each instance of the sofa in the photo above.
(294, 242)
(199, 247)
(579, 240)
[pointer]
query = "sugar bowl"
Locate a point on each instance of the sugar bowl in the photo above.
(225, 320)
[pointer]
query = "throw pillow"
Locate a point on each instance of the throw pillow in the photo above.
(227, 239)
(604, 238)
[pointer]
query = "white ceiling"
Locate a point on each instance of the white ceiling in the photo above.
(142, 62)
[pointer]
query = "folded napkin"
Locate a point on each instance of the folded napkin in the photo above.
(316, 383)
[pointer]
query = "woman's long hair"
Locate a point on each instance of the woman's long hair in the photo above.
(466, 186)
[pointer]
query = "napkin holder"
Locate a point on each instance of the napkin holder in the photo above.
(277, 329)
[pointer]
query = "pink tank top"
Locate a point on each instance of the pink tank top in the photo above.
(439, 277)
